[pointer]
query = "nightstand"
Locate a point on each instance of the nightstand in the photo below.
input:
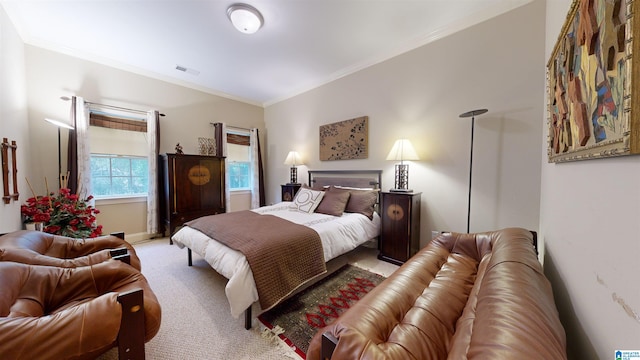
(289, 191)
(400, 235)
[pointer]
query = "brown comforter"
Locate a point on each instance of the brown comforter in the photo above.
(282, 255)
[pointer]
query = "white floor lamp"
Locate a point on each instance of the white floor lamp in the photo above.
(472, 114)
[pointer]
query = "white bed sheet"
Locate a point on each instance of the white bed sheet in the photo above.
(338, 235)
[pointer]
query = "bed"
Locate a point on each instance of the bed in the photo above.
(337, 235)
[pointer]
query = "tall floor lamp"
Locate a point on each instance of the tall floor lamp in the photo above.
(472, 114)
(60, 124)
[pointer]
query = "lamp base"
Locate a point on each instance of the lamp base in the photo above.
(401, 190)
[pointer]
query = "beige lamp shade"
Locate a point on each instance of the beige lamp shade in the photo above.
(402, 150)
(293, 159)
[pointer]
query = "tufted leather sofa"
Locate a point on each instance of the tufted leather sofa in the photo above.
(40, 248)
(463, 296)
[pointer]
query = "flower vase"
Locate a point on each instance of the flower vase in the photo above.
(37, 226)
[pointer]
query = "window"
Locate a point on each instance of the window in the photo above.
(239, 167)
(119, 162)
(119, 175)
(238, 162)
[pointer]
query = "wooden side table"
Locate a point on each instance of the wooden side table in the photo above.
(400, 236)
(289, 191)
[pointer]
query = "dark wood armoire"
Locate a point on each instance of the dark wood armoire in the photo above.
(191, 186)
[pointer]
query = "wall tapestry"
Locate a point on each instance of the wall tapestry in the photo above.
(590, 82)
(345, 140)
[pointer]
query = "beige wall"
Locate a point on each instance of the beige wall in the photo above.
(128, 217)
(13, 117)
(590, 224)
(497, 65)
(188, 115)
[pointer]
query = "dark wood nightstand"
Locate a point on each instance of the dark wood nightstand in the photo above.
(400, 236)
(289, 191)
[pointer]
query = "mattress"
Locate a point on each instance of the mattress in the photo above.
(338, 234)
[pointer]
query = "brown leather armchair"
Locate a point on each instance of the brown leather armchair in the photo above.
(50, 312)
(40, 248)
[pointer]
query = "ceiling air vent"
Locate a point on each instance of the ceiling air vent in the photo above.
(187, 70)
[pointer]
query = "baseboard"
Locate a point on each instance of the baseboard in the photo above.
(139, 237)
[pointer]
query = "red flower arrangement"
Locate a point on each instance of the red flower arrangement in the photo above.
(63, 214)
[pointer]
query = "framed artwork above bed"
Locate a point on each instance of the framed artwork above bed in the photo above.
(345, 140)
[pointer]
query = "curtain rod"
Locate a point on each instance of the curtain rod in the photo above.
(117, 108)
(234, 127)
(66, 98)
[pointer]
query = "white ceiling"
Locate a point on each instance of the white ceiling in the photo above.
(303, 43)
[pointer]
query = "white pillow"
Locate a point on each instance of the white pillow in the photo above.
(307, 200)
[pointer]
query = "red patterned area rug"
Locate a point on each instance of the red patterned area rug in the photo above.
(305, 313)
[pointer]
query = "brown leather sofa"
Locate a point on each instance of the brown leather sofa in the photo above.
(40, 248)
(463, 296)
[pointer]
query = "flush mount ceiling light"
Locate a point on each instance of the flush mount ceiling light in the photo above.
(245, 18)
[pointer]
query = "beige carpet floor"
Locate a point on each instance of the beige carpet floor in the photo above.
(196, 321)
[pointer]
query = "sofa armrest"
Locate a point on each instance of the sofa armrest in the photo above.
(119, 234)
(132, 330)
(121, 254)
(329, 343)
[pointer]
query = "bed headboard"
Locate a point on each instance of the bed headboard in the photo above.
(350, 178)
(371, 179)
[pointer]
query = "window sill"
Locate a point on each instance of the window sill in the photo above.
(121, 200)
(240, 191)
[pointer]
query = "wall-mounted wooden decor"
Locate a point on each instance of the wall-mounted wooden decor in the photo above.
(592, 83)
(5, 170)
(345, 140)
(14, 148)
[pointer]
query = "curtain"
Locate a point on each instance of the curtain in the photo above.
(80, 168)
(257, 183)
(153, 120)
(227, 191)
(72, 151)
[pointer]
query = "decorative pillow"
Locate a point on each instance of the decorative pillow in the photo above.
(333, 203)
(360, 201)
(307, 200)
